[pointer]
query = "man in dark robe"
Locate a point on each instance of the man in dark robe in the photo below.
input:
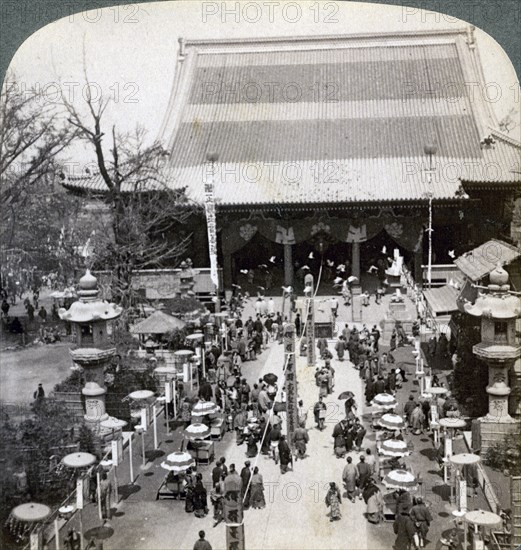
(284, 454)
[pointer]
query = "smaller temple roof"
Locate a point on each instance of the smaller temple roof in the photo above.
(158, 323)
(480, 262)
(442, 299)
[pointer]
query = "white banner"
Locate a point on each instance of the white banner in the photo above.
(144, 418)
(79, 494)
(209, 203)
(117, 450)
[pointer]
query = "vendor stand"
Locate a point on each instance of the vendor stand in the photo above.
(174, 483)
(26, 523)
(481, 521)
(197, 445)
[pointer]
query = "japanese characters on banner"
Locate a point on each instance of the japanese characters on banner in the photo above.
(80, 496)
(290, 381)
(310, 322)
(233, 518)
(209, 203)
(117, 450)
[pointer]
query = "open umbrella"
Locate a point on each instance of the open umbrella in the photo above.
(346, 395)
(483, 518)
(178, 462)
(197, 431)
(400, 479)
(394, 447)
(384, 401)
(270, 378)
(392, 421)
(202, 408)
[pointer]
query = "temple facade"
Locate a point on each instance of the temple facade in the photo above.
(337, 148)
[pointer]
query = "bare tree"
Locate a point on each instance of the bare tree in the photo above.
(145, 211)
(33, 135)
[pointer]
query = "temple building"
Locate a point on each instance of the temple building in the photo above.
(336, 147)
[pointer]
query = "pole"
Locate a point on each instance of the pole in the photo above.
(154, 412)
(57, 533)
(143, 447)
(82, 542)
(116, 490)
(429, 268)
(98, 480)
(130, 459)
(203, 358)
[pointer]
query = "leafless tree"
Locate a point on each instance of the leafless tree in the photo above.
(145, 211)
(34, 136)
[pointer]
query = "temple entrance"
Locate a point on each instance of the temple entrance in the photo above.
(260, 263)
(372, 252)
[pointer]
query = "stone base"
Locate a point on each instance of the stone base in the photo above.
(492, 431)
(389, 322)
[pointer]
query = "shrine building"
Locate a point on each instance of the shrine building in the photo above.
(337, 145)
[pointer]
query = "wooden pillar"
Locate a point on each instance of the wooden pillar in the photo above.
(227, 271)
(418, 271)
(288, 264)
(355, 259)
(355, 268)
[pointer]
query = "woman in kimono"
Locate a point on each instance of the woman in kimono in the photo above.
(333, 501)
(340, 348)
(257, 490)
(189, 498)
(300, 439)
(200, 498)
(217, 501)
(375, 502)
(252, 448)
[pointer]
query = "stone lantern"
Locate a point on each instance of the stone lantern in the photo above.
(92, 351)
(498, 349)
(186, 278)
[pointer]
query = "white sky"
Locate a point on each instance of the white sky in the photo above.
(131, 50)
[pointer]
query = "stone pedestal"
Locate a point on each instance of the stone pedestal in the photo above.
(397, 312)
(94, 404)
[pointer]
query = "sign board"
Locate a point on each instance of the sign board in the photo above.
(80, 488)
(144, 419)
(233, 518)
(117, 451)
(168, 392)
(211, 224)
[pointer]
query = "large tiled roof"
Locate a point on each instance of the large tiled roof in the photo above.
(481, 261)
(332, 119)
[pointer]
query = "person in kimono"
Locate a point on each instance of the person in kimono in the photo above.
(333, 501)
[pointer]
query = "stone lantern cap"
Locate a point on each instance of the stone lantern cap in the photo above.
(89, 308)
(497, 302)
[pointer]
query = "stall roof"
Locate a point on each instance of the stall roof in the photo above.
(442, 299)
(478, 263)
(158, 323)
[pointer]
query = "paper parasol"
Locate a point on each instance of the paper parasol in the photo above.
(400, 479)
(178, 462)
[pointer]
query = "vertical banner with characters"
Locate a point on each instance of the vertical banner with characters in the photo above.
(209, 204)
(233, 517)
(290, 381)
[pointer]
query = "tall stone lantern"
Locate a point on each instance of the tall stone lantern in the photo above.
(92, 351)
(498, 349)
